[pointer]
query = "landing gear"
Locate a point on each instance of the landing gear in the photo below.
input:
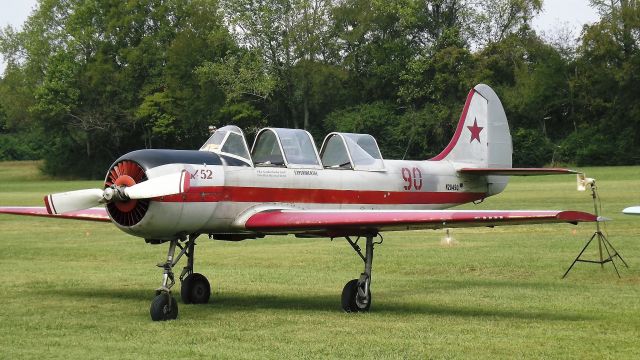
(195, 287)
(356, 295)
(351, 301)
(164, 307)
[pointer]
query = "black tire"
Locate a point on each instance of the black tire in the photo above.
(350, 302)
(195, 289)
(349, 296)
(185, 290)
(164, 307)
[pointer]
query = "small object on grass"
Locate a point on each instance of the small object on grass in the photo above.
(448, 240)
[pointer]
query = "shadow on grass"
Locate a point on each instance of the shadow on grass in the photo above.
(324, 303)
(447, 284)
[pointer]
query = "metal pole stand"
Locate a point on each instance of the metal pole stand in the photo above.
(602, 242)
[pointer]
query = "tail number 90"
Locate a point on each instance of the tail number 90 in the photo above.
(412, 178)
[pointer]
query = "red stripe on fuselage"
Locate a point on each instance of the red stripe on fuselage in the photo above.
(318, 196)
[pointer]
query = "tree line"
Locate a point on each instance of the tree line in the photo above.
(88, 80)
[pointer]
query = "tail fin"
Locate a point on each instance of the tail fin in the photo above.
(482, 138)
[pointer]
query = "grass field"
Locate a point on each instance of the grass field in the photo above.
(72, 289)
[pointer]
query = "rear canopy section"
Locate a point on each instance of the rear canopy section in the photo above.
(351, 151)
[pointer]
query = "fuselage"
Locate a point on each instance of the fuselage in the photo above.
(224, 193)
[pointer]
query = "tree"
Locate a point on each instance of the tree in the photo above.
(107, 76)
(497, 19)
(291, 36)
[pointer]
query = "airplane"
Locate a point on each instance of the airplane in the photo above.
(631, 210)
(283, 185)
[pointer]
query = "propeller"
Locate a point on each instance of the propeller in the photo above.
(171, 184)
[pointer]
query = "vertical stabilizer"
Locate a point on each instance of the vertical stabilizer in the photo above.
(482, 138)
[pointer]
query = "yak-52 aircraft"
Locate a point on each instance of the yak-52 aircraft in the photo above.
(285, 186)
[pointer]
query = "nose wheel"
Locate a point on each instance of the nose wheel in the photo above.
(195, 287)
(356, 294)
(164, 307)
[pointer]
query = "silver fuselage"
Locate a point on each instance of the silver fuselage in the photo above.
(222, 197)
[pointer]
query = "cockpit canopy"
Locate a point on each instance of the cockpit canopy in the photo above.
(351, 151)
(228, 140)
(285, 147)
(295, 148)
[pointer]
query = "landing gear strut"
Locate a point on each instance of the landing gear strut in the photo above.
(356, 295)
(195, 287)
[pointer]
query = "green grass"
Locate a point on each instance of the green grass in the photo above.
(72, 289)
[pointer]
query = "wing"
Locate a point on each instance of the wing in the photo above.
(92, 214)
(359, 222)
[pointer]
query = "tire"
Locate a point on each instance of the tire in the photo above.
(195, 289)
(349, 296)
(350, 302)
(164, 307)
(185, 290)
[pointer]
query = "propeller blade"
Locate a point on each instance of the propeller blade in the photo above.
(83, 199)
(73, 200)
(161, 186)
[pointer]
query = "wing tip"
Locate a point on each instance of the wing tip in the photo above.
(579, 216)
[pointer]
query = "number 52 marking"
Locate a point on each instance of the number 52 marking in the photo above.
(412, 178)
(204, 174)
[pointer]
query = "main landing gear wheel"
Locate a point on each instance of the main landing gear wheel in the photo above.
(195, 289)
(356, 295)
(352, 301)
(164, 307)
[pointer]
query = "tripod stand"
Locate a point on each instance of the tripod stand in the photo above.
(603, 242)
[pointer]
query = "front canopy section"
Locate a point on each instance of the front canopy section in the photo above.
(293, 148)
(230, 141)
(351, 151)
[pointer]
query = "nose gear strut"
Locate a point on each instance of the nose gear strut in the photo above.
(195, 287)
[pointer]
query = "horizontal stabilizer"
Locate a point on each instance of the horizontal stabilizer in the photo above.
(517, 171)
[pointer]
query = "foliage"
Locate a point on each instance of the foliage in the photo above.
(531, 148)
(371, 118)
(114, 76)
(21, 146)
(100, 78)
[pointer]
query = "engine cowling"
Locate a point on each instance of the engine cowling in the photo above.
(158, 220)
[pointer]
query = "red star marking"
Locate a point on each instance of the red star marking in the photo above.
(475, 131)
